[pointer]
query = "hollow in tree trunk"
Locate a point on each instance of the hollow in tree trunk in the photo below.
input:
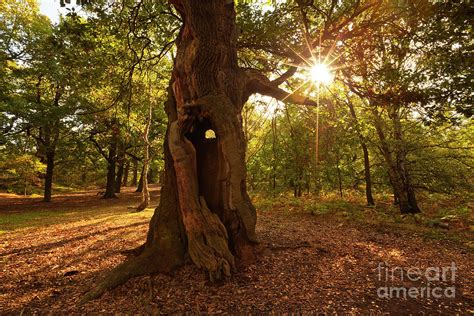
(204, 208)
(205, 211)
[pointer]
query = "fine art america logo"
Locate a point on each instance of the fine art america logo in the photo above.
(413, 282)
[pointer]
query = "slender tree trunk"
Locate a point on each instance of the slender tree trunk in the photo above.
(51, 137)
(339, 177)
(126, 172)
(274, 152)
(110, 184)
(111, 163)
(368, 179)
(47, 140)
(151, 173)
(48, 180)
(119, 176)
(140, 181)
(367, 176)
(146, 159)
(395, 192)
(135, 173)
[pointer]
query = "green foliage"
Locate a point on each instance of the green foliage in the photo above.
(67, 82)
(65, 87)
(20, 173)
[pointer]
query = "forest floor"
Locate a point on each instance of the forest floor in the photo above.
(325, 254)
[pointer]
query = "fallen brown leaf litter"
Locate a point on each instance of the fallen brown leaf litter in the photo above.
(310, 264)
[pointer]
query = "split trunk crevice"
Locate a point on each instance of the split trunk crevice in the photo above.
(205, 213)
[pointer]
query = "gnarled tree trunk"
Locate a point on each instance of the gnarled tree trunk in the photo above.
(204, 208)
(209, 93)
(205, 211)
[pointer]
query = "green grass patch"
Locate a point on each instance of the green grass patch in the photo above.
(12, 221)
(31, 219)
(436, 212)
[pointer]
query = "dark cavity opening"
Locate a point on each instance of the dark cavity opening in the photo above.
(208, 158)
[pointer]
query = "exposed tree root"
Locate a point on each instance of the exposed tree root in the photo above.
(134, 252)
(143, 205)
(147, 263)
(206, 235)
(208, 243)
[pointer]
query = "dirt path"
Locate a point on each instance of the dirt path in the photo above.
(312, 263)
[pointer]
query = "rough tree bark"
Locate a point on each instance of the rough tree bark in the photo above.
(205, 212)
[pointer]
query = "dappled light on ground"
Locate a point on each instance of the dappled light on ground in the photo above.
(309, 261)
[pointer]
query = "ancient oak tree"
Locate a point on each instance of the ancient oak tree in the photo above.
(205, 213)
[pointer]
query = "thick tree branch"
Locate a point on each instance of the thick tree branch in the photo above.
(259, 83)
(133, 156)
(285, 76)
(99, 148)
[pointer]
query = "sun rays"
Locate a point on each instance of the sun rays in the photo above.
(317, 68)
(321, 73)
